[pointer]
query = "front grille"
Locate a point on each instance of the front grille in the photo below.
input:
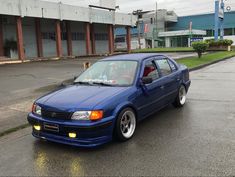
(56, 115)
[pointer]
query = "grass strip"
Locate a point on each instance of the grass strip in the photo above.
(193, 62)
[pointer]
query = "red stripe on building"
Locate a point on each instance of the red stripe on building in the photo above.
(88, 38)
(110, 39)
(58, 38)
(19, 35)
(128, 38)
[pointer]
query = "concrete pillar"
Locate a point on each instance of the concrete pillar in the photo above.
(19, 35)
(153, 44)
(110, 39)
(113, 39)
(58, 38)
(69, 39)
(1, 38)
(88, 38)
(167, 42)
(38, 37)
(128, 39)
(189, 42)
(93, 39)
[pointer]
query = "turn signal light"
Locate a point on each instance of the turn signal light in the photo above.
(72, 135)
(96, 115)
(37, 127)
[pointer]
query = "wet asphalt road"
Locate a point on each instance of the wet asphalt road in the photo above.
(197, 140)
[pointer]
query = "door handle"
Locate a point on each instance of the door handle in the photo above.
(178, 79)
(162, 87)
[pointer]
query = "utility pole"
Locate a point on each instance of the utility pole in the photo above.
(138, 13)
(216, 19)
(190, 33)
(219, 19)
(222, 21)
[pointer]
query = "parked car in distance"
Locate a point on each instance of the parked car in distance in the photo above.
(108, 99)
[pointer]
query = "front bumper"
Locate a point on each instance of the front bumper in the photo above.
(89, 134)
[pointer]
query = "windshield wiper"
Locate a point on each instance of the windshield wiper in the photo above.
(83, 83)
(103, 84)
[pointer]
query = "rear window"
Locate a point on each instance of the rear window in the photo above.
(172, 65)
(164, 66)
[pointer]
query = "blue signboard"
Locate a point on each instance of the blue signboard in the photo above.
(196, 39)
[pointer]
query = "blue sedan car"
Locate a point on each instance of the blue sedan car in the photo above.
(108, 99)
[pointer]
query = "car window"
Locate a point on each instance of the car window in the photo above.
(150, 70)
(163, 66)
(172, 65)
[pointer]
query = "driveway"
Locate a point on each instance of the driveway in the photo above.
(197, 140)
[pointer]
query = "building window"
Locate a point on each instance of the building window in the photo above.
(76, 36)
(63, 36)
(120, 39)
(151, 20)
(228, 32)
(209, 33)
(48, 35)
(101, 36)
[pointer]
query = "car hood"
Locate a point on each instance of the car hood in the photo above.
(78, 97)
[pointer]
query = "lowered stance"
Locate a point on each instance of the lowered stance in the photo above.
(108, 99)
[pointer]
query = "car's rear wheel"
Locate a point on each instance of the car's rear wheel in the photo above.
(125, 125)
(181, 97)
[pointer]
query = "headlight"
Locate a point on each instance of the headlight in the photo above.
(87, 115)
(37, 109)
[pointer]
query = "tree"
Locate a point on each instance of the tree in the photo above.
(200, 47)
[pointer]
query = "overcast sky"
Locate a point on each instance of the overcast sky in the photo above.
(181, 7)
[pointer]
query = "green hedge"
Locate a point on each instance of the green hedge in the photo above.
(220, 43)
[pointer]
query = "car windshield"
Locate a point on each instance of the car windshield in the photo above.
(109, 73)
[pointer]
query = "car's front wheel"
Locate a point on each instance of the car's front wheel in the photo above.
(125, 125)
(181, 97)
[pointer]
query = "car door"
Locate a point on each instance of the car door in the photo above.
(149, 96)
(170, 78)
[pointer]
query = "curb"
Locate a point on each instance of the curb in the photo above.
(82, 57)
(11, 130)
(211, 63)
(183, 51)
(69, 80)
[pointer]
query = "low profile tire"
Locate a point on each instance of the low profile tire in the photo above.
(181, 97)
(125, 125)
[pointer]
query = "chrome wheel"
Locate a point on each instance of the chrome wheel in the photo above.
(128, 124)
(182, 95)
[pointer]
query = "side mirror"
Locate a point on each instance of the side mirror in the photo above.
(147, 80)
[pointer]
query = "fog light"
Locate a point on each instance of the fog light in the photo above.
(72, 135)
(37, 127)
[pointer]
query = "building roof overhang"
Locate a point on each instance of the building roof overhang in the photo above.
(182, 33)
(60, 11)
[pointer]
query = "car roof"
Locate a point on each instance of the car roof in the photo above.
(134, 57)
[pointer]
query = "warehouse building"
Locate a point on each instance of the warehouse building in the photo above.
(166, 29)
(34, 28)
